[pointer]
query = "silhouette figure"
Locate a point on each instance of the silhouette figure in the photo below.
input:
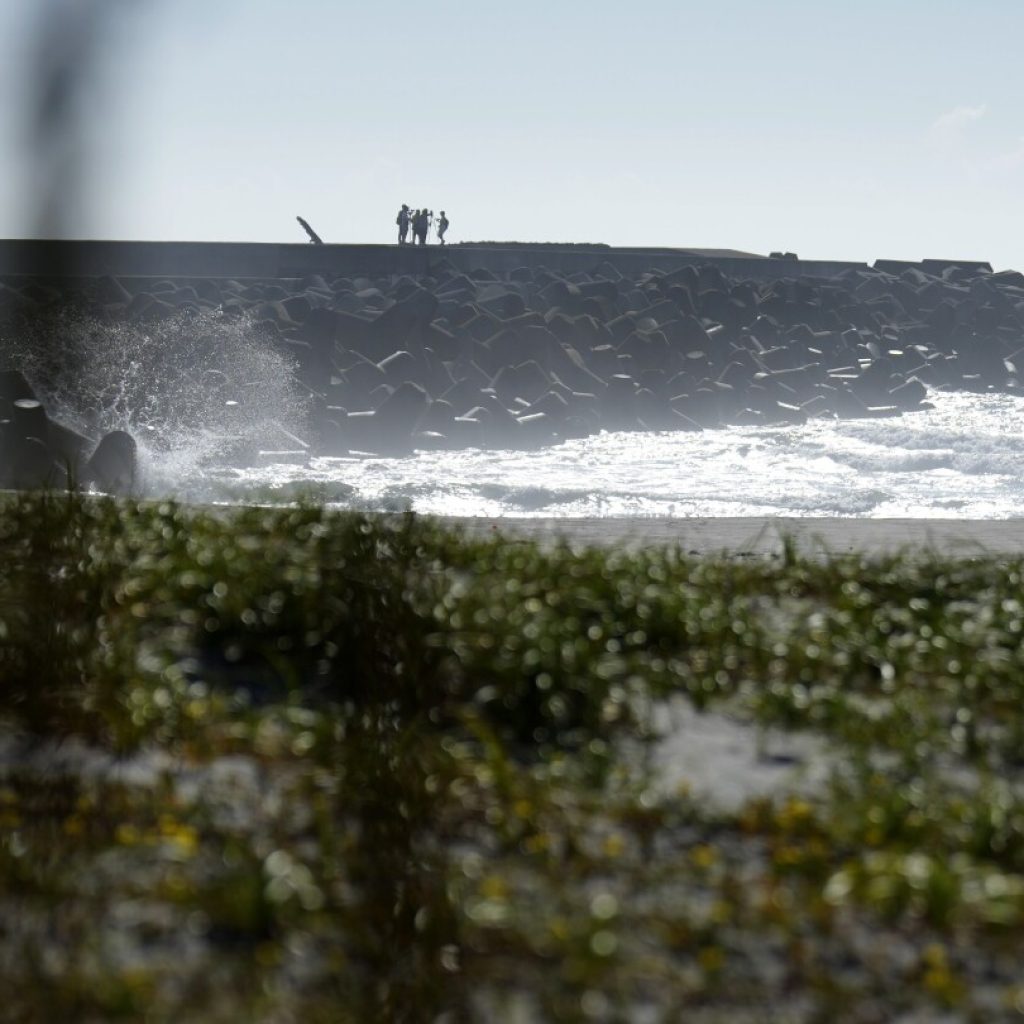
(403, 224)
(421, 224)
(442, 227)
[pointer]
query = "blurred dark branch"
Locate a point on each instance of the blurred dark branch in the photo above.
(72, 39)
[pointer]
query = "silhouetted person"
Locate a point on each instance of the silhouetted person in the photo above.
(442, 227)
(420, 224)
(415, 222)
(403, 224)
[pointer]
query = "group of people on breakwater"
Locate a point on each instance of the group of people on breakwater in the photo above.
(421, 222)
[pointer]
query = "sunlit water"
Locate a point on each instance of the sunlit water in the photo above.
(200, 392)
(960, 459)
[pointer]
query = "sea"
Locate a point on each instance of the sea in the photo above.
(962, 457)
(219, 416)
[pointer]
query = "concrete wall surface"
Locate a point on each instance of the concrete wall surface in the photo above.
(274, 260)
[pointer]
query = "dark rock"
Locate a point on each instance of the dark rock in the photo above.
(400, 366)
(702, 407)
(561, 295)
(362, 376)
(395, 326)
(109, 291)
(908, 395)
(533, 429)
(553, 405)
(26, 463)
(499, 423)
(69, 449)
(618, 403)
(141, 304)
(468, 431)
(501, 302)
(438, 416)
(13, 385)
(398, 415)
(297, 307)
(113, 466)
(526, 380)
(441, 341)
(27, 418)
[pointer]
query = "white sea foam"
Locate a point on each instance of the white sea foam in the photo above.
(959, 459)
(198, 390)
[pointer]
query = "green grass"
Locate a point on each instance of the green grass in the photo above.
(352, 768)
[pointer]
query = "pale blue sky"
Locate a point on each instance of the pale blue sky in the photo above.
(876, 128)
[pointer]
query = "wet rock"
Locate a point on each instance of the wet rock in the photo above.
(908, 395)
(400, 366)
(526, 380)
(26, 463)
(69, 450)
(397, 416)
(113, 466)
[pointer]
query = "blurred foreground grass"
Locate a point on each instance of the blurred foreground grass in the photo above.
(294, 765)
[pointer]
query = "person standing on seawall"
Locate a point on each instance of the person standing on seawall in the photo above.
(442, 227)
(403, 224)
(419, 226)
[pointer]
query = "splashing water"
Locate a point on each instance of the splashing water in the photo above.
(960, 459)
(195, 389)
(204, 395)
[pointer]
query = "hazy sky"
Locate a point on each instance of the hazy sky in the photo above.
(870, 128)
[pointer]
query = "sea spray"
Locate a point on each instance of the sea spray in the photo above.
(197, 390)
(957, 459)
(204, 394)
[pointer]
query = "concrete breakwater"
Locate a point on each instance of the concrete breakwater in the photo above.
(243, 260)
(463, 349)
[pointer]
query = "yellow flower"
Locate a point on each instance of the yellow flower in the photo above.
(711, 959)
(614, 845)
(127, 835)
(523, 808)
(537, 843)
(494, 887)
(703, 856)
(794, 812)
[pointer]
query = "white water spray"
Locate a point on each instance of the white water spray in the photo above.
(197, 391)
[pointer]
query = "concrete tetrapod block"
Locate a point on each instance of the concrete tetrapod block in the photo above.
(526, 380)
(397, 416)
(113, 466)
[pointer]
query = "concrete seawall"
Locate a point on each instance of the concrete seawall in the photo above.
(271, 260)
(392, 349)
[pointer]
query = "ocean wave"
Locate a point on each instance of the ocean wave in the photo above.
(958, 459)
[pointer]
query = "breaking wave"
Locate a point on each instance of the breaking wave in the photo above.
(214, 404)
(196, 390)
(958, 459)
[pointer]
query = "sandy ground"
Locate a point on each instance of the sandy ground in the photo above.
(765, 536)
